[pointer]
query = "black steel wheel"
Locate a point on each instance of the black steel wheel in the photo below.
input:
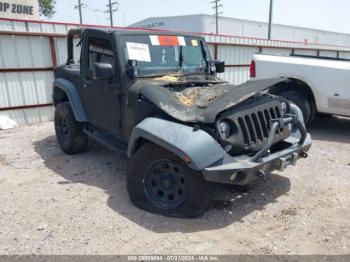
(64, 131)
(69, 132)
(166, 184)
(160, 182)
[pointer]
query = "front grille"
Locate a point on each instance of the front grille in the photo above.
(255, 126)
(252, 122)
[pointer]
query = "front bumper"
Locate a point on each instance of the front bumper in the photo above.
(244, 169)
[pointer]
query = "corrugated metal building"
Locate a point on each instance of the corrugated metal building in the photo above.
(238, 27)
(30, 50)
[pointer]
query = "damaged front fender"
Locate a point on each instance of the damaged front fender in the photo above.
(197, 147)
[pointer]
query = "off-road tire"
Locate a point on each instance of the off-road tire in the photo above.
(303, 102)
(69, 132)
(199, 193)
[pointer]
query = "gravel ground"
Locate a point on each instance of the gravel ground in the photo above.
(51, 203)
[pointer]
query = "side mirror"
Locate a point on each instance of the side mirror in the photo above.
(219, 66)
(103, 71)
(133, 70)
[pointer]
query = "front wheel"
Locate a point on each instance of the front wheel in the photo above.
(69, 132)
(160, 182)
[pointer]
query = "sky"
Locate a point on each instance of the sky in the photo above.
(330, 15)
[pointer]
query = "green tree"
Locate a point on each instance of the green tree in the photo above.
(47, 8)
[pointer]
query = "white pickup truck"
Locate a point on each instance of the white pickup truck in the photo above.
(317, 85)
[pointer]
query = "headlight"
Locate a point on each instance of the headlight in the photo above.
(224, 129)
(284, 107)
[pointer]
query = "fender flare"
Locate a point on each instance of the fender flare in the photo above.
(185, 142)
(73, 97)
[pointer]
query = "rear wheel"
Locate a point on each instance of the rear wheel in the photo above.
(160, 182)
(303, 102)
(69, 132)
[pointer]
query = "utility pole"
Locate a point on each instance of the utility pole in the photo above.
(217, 13)
(270, 19)
(112, 7)
(79, 7)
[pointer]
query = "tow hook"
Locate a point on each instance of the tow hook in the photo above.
(304, 155)
(261, 174)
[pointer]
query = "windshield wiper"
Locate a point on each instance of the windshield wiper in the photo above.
(152, 75)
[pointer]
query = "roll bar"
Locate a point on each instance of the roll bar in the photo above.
(70, 40)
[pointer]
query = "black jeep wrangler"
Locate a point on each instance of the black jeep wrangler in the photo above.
(157, 97)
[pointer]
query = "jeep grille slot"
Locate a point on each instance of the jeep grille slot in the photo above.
(258, 127)
(263, 124)
(267, 118)
(255, 125)
(251, 130)
(278, 112)
(244, 131)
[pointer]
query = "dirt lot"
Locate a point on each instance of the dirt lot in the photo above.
(51, 203)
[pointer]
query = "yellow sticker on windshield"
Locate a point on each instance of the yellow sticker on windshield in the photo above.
(194, 42)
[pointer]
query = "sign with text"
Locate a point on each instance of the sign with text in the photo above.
(19, 9)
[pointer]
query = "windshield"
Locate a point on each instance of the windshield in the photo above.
(159, 54)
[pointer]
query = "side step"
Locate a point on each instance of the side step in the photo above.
(105, 139)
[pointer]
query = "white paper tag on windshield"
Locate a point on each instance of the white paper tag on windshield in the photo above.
(139, 52)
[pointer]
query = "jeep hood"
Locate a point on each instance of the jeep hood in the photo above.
(199, 102)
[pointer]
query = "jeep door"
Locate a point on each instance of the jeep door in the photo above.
(101, 97)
